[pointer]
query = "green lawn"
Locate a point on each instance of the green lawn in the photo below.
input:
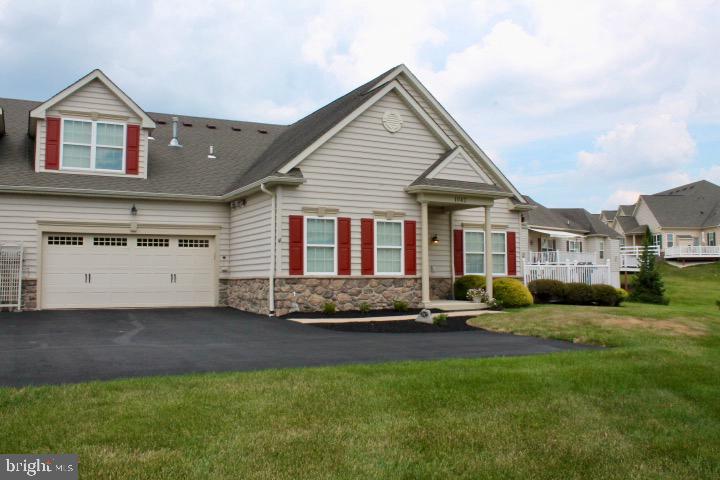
(647, 408)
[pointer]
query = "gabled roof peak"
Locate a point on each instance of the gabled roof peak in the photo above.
(39, 112)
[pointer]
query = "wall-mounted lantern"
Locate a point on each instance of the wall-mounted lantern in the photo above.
(435, 240)
(133, 210)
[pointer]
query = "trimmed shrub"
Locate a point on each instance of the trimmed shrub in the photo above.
(364, 307)
(606, 295)
(465, 283)
(622, 295)
(400, 305)
(547, 291)
(578, 294)
(511, 293)
(329, 308)
(440, 320)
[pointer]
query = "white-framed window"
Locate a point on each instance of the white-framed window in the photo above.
(547, 244)
(320, 245)
(711, 240)
(474, 252)
(574, 246)
(670, 240)
(389, 241)
(92, 145)
(657, 239)
(601, 251)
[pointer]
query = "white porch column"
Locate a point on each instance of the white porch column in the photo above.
(488, 253)
(424, 240)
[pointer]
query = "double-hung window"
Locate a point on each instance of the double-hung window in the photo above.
(388, 247)
(670, 240)
(474, 245)
(93, 145)
(320, 245)
(574, 246)
(601, 251)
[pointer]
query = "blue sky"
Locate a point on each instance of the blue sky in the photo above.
(580, 103)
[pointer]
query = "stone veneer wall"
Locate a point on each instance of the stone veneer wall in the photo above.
(248, 294)
(309, 294)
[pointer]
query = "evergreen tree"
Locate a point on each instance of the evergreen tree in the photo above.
(647, 286)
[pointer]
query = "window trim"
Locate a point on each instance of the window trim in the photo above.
(504, 252)
(93, 146)
(402, 247)
(714, 239)
(306, 245)
(670, 240)
(577, 246)
(601, 249)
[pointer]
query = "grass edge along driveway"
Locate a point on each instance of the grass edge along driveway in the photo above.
(647, 408)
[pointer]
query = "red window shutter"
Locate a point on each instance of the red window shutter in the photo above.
(367, 246)
(458, 252)
(52, 143)
(410, 247)
(343, 252)
(296, 245)
(132, 150)
(511, 254)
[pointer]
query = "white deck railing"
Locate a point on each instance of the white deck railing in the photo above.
(692, 252)
(556, 257)
(570, 273)
(630, 257)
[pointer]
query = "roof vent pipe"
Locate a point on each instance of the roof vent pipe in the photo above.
(211, 152)
(174, 141)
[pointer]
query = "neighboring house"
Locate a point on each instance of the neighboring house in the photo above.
(378, 196)
(571, 237)
(684, 221)
(607, 216)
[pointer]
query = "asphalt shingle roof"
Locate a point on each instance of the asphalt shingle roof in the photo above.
(577, 219)
(695, 205)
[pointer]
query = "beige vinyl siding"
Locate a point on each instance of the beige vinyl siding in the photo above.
(364, 168)
(645, 217)
(19, 215)
(250, 238)
(460, 169)
(93, 99)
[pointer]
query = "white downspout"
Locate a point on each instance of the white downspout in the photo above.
(271, 271)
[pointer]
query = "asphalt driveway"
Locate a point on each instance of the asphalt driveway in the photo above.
(51, 347)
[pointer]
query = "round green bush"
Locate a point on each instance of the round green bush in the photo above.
(622, 294)
(465, 283)
(547, 291)
(606, 295)
(511, 293)
(578, 294)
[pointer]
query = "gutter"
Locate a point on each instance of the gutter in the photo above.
(87, 192)
(466, 191)
(271, 271)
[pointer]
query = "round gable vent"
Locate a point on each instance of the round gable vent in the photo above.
(392, 121)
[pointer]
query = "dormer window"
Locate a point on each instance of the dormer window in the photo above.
(92, 145)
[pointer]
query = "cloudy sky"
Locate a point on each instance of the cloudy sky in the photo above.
(581, 103)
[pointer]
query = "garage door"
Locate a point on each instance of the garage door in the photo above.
(105, 271)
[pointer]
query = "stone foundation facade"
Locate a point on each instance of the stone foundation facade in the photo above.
(440, 288)
(250, 295)
(310, 294)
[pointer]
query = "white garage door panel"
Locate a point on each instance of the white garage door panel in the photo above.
(130, 271)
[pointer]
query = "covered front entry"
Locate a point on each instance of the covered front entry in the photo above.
(111, 270)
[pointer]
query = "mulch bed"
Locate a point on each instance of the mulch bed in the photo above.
(455, 324)
(354, 314)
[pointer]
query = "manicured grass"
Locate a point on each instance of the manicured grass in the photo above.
(647, 408)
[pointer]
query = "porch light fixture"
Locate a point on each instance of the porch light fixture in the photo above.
(133, 210)
(435, 240)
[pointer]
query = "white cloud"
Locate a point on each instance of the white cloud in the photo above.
(622, 197)
(654, 145)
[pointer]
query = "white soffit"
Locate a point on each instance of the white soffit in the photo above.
(556, 233)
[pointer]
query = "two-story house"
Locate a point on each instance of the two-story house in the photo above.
(378, 196)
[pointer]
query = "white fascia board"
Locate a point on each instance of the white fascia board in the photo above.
(456, 126)
(392, 86)
(40, 111)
